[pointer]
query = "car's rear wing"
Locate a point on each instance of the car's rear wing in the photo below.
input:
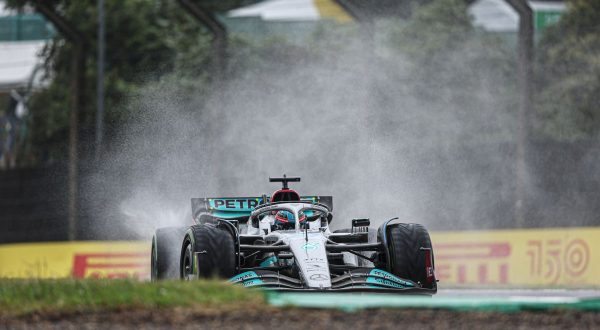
(240, 207)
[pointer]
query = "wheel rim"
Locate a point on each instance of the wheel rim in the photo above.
(187, 266)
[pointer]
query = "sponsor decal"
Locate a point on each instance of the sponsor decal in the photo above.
(535, 257)
(243, 276)
(319, 260)
(384, 282)
(243, 203)
(319, 277)
(310, 246)
(389, 277)
(109, 265)
(484, 263)
(95, 259)
(253, 282)
(429, 271)
(233, 204)
(311, 267)
(552, 259)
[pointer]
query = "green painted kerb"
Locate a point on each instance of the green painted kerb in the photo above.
(352, 302)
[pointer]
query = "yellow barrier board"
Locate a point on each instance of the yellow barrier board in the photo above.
(102, 259)
(530, 257)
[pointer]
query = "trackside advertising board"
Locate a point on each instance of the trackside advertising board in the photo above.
(529, 257)
(99, 259)
(568, 257)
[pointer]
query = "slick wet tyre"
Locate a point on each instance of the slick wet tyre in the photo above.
(215, 248)
(166, 245)
(407, 243)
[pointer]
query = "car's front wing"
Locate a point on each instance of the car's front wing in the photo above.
(359, 279)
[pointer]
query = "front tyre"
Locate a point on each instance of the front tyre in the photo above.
(215, 248)
(411, 253)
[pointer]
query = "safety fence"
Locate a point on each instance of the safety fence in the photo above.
(559, 257)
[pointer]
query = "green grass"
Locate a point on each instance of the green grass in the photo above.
(20, 297)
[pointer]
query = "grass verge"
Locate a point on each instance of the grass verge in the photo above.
(22, 297)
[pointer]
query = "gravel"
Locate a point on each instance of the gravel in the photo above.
(293, 318)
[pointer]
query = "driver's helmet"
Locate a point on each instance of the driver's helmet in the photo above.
(286, 219)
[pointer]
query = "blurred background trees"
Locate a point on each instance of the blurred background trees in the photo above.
(149, 43)
(568, 99)
(154, 42)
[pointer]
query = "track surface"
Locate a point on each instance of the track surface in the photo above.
(291, 319)
(534, 293)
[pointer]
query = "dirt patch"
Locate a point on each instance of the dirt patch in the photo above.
(291, 319)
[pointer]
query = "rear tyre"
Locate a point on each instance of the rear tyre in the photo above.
(166, 243)
(216, 253)
(408, 245)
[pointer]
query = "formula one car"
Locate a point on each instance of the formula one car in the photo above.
(284, 242)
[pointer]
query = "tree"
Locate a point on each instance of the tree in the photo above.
(146, 41)
(435, 28)
(569, 74)
(139, 49)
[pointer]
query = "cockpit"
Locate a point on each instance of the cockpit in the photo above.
(288, 216)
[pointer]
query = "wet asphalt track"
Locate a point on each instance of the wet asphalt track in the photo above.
(532, 293)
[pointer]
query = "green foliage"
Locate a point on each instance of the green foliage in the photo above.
(569, 73)
(20, 297)
(154, 45)
(440, 26)
(149, 44)
(49, 118)
(143, 38)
